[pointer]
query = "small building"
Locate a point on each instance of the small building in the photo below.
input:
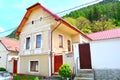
(105, 49)
(9, 49)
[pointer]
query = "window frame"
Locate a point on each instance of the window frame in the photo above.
(38, 41)
(60, 41)
(69, 45)
(36, 63)
(27, 43)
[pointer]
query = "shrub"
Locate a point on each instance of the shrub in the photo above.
(2, 69)
(65, 71)
(25, 77)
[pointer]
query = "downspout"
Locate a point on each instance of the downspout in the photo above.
(51, 53)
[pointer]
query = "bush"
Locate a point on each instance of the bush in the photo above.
(25, 77)
(65, 71)
(2, 69)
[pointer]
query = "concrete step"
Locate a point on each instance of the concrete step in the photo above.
(79, 78)
(85, 71)
(85, 75)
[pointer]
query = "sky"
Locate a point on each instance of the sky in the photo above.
(12, 11)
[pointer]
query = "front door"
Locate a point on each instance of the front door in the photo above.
(85, 56)
(58, 61)
(14, 66)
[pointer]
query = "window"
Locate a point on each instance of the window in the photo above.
(60, 41)
(34, 66)
(69, 45)
(28, 43)
(38, 41)
(32, 22)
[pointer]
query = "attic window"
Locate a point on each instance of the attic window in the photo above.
(40, 18)
(32, 22)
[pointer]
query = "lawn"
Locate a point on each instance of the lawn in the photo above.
(25, 77)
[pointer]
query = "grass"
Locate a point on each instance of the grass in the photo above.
(25, 77)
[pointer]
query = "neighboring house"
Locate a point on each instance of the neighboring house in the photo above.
(105, 49)
(9, 53)
(46, 42)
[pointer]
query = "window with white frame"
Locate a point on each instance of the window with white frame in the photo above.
(28, 43)
(33, 66)
(38, 41)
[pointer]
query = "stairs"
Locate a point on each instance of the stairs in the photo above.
(84, 74)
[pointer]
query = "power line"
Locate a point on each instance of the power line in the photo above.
(85, 4)
(8, 30)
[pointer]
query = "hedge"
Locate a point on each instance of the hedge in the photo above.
(2, 69)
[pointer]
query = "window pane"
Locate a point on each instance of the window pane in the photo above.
(28, 43)
(34, 66)
(60, 41)
(38, 41)
(69, 45)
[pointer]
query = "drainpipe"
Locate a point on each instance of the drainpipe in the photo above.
(51, 53)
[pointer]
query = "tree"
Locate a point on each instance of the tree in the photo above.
(71, 20)
(83, 24)
(65, 71)
(102, 25)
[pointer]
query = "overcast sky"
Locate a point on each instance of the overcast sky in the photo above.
(12, 11)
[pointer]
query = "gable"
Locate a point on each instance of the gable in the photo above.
(37, 19)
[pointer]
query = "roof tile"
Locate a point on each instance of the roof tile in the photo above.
(10, 44)
(114, 33)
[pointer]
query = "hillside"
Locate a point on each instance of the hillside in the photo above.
(12, 35)
(98, 17)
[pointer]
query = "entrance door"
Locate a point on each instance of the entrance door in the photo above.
(58, 61)
(15, 66)
(85, 56)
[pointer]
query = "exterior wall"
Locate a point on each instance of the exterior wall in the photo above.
(3, 54)
(105, 54)
(68, 59)
(11, 56)
(42, 62)
(83, 40)
(66, 36)
(76, 57)
(31, 30)
(10, 66)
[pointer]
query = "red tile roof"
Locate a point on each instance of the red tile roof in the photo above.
(10, 44)
(114, 33)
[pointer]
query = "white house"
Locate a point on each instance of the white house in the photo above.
(101, 55)
(9, 53)
(105, 49)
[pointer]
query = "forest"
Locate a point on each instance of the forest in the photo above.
(99, 17)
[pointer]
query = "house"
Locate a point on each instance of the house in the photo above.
(9, 49)
(46, 42)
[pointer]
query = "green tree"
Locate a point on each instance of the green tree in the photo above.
(83, 24)
(71, 20)
(65, 71)
(102, 25)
